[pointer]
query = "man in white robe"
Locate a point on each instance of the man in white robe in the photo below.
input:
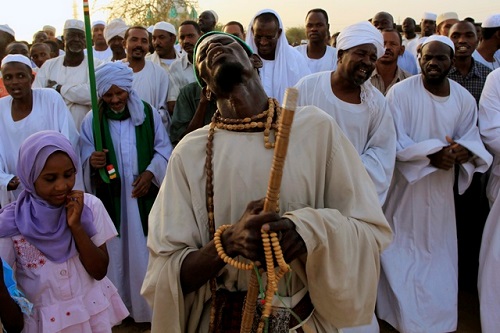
(69, 74)
(150, 80)
(332, 222)
(319, 56)
(48, 112)
(164, 36)
(489, 263)
(437, 132)
(282, 65)
(366, 121)
(128, 253)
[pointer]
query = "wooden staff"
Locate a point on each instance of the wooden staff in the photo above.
(96, 126)
(271, 204)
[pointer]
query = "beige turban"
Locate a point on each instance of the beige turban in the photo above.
(116, 27)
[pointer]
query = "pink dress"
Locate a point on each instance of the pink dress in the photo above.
(65, 297)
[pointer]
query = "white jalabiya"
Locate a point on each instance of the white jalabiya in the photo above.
(490, 64)
(151, 84)
(489, 259)
(48, 113)
(164, 63)
(370, 131)
(181, 73)
(326, 63)
(331, 202)
(418, 285)
(288, 66)
(128, 254)
(74, 81)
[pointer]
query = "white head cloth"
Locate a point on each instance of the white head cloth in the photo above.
(165, 26)
(150, 29)
(446, 16)
(492, 21)
(216, 17)
(441, 39)
(7, 29)
(361, 33)
(49, 28)
(116, 27)
(429, 16)
(98, 22)
(358, 34)
(286, 69)
(119, 74)
(74, 24)
(16, 58)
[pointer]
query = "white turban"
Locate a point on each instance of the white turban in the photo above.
(98, 22)
(438, 38)
(7, 29)
(74, 24)
(361, 33)
(49, 28)
(16, 58)
(216, 17)
(119, 74)
(116, 27)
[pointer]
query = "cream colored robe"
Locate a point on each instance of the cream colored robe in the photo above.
(325, 191)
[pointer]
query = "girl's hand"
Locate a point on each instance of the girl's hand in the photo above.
(74, 208)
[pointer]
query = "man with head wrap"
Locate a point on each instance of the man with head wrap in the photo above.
(207, 21)
(69, 74)
(114, 33)
(436, 127)
(136, 148)
(283, 66)
(100, 49)
(25, 112)
(359, 108)
(332, 226)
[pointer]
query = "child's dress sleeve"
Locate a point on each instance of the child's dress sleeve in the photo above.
(102, 222)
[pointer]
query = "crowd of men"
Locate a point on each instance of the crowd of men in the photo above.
(419, 111)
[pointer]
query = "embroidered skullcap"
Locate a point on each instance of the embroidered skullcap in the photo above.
(446, 16)
(101, 22)
(441, 39)
(16, 58)
(165, 26)
(49, 28)
(121, 75)
(245, 46)
(216, 17)
(358, 34)
(7, 29)
(492, 21)
(74, 24)
(116, 27)
(429, 16)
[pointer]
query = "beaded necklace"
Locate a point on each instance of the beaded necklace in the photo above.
(272, 115)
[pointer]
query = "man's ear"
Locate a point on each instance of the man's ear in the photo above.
(279, 32)
(401, 50)
(340, 53)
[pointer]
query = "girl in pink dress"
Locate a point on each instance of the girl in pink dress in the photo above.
(56, 237)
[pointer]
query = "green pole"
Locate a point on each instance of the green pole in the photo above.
(93, 91)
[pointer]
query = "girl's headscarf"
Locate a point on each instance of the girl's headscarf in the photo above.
(43, 225)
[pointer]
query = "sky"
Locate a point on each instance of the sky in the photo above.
(28, 16)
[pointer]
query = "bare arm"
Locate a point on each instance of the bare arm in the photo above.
(94, 259)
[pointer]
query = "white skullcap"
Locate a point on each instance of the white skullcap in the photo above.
(446, 16)
(101, 22)
(361, 33)
(116, 27)
(216, 17)
(165, 26)
(429, 16)
(16, 58)
(492, 21)
(49, 28)
(441, 39)
(150, 29)
(7, 29)
(74, 24)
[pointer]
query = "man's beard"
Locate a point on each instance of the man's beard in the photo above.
(229, 75)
